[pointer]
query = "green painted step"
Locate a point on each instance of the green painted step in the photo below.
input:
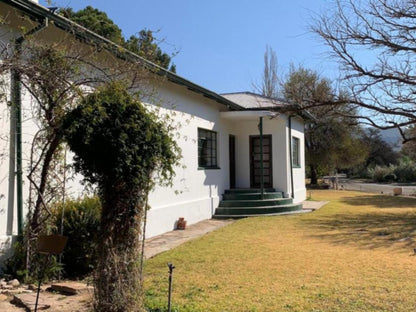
(256, 203)
(243, 190)
(251, 196)
(259, 215)
(228, 211)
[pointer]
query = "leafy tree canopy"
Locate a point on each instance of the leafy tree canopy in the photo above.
(332, 140)
(96, 21)
(380, 152)
(144, 44)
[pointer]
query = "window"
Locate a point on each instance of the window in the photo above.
(207, 149)
(295, 152)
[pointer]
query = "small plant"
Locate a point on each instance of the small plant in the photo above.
(81, 224)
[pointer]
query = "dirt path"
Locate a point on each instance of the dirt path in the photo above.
(48, 301)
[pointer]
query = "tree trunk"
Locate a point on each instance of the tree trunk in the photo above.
(314, 174)
(117, 279)
(35, 224)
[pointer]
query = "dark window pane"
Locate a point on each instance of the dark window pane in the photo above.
(207, 148)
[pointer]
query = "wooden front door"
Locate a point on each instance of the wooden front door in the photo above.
(231, 145)
(255, 163)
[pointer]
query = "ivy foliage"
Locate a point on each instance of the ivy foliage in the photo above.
(115, 138)
(125, 149)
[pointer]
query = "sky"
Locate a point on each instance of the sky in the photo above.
(220, 44)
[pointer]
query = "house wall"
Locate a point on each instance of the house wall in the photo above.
(196, 192)
(299, 187)
(278, 128)
(275, 127)
(8, 202)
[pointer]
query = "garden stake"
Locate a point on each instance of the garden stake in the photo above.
(171, 267)
(40, 277)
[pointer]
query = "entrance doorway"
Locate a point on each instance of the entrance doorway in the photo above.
(255, 161)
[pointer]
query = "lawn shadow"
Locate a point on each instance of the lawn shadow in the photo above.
(379, 229)
(380, 201)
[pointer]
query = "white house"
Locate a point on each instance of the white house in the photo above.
(220, 139)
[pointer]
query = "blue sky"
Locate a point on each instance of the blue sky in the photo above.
(220, 43)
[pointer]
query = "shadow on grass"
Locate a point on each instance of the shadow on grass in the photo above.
(372, 228)
(380, 201)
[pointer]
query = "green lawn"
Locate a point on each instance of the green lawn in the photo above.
(354, 254)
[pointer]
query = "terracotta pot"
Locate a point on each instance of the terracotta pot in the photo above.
(397, 191)
(181, 224)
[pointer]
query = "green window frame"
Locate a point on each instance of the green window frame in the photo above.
(207, 149)
(296, 152)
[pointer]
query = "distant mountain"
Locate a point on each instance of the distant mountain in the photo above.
(393, 137)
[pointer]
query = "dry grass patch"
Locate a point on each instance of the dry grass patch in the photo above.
(354, 254)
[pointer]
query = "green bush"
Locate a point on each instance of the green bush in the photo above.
(81, 225)
(381, 174)
(41, 266)
(406, 171)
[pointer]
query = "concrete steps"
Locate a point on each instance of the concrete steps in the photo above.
(239, 203)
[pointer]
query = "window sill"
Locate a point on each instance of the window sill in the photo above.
(208, 168)
(297, 167)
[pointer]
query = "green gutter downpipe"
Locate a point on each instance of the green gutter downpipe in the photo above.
(291, 157)
(17, 96)
(17, 93)
(261, 158)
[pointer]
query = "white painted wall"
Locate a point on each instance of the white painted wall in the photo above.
(196, 193)
(299, 173)
(277, 128)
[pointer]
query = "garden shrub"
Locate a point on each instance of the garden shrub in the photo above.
(41, 266)
(381, 174)
(405, 171)
(81, 225)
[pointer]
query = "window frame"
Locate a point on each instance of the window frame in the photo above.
(207, 154)
(296, 161)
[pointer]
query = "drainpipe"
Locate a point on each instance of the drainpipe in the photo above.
(12, 162)
(16, 91)
(261, 158)
(291, 157)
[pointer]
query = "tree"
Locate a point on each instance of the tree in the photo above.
(409, 148)
(373, 40)
(96, 21)
(380, 152)
(139, 152)
(50, 76)
(331, 140)
(270, 80)
(144, 44)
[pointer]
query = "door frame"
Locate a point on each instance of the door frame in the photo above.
(251, 160)
(231, 151)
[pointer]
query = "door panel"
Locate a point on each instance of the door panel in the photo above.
(255, 161)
